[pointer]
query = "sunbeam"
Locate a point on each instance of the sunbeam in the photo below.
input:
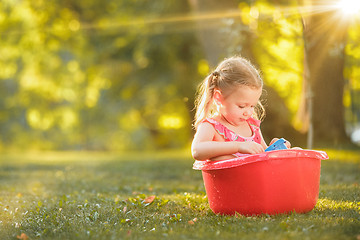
(349, 7)
(342, 6)
(345, 9)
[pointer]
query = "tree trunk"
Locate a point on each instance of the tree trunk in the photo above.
(324, 39)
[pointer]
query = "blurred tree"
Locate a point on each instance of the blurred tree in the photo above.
(325, 35)
(270, 33)
(95, 74)
(352, 78)
(261, 33)
(119, 75)
(278, 48)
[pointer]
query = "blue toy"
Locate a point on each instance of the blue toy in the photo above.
(278, 145)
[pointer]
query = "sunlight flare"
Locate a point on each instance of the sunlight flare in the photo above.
(349, 7)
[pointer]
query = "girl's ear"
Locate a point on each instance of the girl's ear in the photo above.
(218, 97)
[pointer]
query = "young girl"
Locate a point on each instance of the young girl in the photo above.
(228, 111)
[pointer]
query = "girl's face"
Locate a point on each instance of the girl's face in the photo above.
(239, 105)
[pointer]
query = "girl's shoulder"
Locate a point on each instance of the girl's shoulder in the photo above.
(210, 120)
(207, 123)
(216, 125)
(221, 129)
(214, 122)
(205, 128)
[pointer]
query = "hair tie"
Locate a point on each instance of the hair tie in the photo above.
(216, 74)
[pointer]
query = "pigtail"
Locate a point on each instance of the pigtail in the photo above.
(204, 98)
(260, 111)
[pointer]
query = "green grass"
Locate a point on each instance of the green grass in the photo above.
(103, 196)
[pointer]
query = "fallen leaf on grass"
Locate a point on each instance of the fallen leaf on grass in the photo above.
(22, 236)
(149, 199)
(192, 222)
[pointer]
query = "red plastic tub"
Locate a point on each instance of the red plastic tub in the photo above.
(274, 182)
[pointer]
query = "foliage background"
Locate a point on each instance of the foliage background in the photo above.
(122, 75)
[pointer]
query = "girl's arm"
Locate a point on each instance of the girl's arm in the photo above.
(204, 147)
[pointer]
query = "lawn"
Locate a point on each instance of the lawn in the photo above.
(155, 196)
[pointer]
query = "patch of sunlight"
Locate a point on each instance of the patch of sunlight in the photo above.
(324, 203)
(30, 79)
(73, 66)
(203, 67)
(352, 50)
(60, 29)
(78, 77)
(101, 82)
(288, 28)
(171, 122)
(286, 78)
(49, 157)
(343, 155)
(67, 94)
(249, 15)
(254, 12)
(348, 7)
(266, 8)
(93, 90)
(7, 70)
(287, 85)
(25, 13)
(130, 120)
(245, 10)
(2, 17)
(282, 48)
(74, 25)
(188, 198)
(353, 74)
(347, 98)
(33, 117)
(68, 118)
(38, 120)
(92, 96)
(37, 37)
(8, 51)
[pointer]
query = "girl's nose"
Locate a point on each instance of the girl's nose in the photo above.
(248, 112)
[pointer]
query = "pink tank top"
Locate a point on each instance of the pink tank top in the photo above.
(229, 135)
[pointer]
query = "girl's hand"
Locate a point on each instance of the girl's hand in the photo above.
(287, 143)
(250, 147)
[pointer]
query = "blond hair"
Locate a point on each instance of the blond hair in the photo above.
(230, 72)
